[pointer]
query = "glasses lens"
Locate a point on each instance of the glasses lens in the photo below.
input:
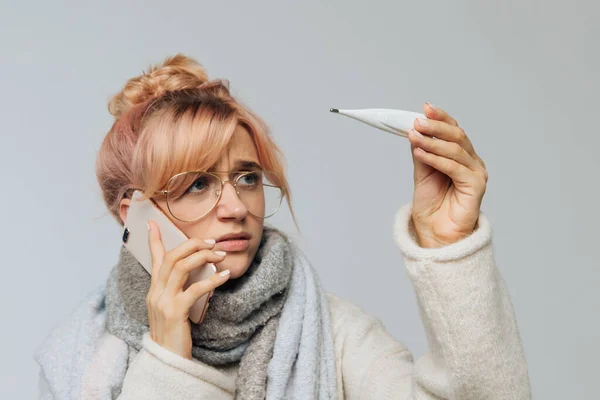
(192, 194)
(259, 192)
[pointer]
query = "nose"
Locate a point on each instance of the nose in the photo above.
(230, 206)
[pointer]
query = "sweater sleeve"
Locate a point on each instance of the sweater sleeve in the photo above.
(157, 374)
(474, 346)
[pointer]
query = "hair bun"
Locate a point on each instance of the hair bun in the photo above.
(174, 73)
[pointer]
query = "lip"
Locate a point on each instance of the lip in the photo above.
(234, 236)
(230, 242)
(233, 245)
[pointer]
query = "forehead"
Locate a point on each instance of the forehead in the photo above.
(241, 147)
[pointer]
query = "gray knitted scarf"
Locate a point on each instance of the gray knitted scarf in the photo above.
(273, 320)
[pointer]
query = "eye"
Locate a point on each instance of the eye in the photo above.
(200, 185)
(249, 180)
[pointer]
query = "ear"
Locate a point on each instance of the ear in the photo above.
(123, 208)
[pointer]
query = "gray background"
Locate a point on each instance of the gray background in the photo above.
(516, 74)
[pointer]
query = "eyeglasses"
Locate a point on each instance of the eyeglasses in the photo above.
(191, 195)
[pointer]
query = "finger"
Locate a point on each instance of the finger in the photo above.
(443, 148)
(421, 170)
(179, 252)
(446, 132)
(157, 250)
(191, 295)
(182, 268)
(457, 172)
(438, 114)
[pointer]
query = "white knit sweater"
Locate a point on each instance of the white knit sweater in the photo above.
(475, 351)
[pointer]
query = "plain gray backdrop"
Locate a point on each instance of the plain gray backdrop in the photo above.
(521, 77)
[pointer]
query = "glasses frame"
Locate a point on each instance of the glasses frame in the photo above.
(242, 173)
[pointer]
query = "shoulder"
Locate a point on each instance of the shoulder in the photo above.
(361, 342)
(342, 310)
(71, 348)
(352, 325)
(87, 317)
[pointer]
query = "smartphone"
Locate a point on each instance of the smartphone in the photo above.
(135, 239)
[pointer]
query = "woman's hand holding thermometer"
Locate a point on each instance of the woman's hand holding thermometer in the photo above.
(449, 177)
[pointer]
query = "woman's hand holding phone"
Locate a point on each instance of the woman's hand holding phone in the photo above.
(168, 304)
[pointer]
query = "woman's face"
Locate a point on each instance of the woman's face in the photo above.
(230, 215)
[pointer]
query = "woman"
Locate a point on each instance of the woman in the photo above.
(270, 330)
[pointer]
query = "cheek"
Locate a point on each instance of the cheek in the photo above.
(253, 248)
(256, 238)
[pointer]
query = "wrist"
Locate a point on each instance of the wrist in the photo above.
(175, 348)
(434, 243)
(429, 240)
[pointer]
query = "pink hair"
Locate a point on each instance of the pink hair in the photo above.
(172, 119)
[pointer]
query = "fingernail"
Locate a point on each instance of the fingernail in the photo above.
(431, 105)
(210, 241)
(220, 253)
(417, 133)
(224, 273)
(148, 225)
(422, 122)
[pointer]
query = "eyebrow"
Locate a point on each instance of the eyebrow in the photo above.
(245, 165)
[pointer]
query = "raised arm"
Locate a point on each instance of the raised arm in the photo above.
(475, 351)
(474, 346)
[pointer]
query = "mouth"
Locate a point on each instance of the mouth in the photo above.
(233, 242)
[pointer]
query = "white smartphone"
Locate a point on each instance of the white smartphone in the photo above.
(135, 239)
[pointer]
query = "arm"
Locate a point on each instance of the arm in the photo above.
(157, 374)
(475, 351)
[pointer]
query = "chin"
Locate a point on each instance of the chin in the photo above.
(237, 264)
